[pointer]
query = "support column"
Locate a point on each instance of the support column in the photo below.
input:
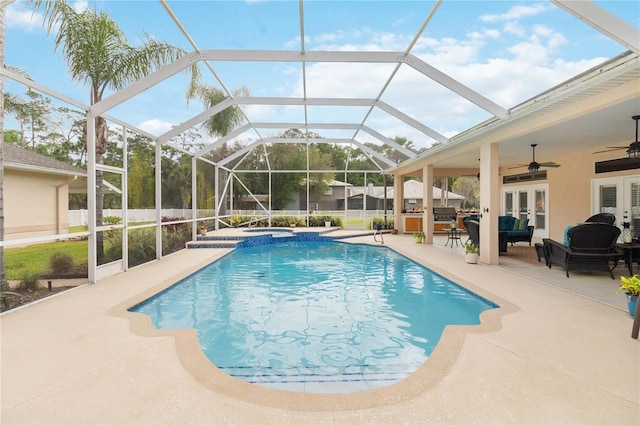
(194, 199)
(92, 261)
(489, 203)
(427, 203)
(158, 205)
(398, 202)
(125, 199)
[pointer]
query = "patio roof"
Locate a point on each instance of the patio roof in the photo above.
(412, 87)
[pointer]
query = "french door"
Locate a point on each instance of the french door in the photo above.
(528, 202)
(619, 196)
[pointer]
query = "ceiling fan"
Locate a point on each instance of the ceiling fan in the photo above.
(534, 166)
(633, 149)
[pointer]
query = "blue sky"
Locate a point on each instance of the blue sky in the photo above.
(507, 51)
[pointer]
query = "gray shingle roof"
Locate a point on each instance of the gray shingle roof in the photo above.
(20, 158)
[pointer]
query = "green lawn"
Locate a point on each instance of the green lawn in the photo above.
(35, 258)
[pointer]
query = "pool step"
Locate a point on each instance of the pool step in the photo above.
(350, 379)
(210, 242)
(219, 241)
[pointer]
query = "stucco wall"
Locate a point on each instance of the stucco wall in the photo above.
(570, 186)
(31, 204)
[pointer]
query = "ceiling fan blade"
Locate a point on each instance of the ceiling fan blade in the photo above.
(611, 148)
(633, 148)
(550, 164)
(519, 166)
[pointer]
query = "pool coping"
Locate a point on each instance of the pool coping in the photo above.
(434, 369)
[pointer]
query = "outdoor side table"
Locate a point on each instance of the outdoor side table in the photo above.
(628, 250)
(453, 235)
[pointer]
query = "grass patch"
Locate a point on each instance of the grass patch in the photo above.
(19, 261)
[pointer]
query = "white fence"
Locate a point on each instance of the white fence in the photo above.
(80, 217)
(355, 219)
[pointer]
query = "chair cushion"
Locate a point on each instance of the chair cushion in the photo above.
(505, 223)
(565, 241)
(520, 224)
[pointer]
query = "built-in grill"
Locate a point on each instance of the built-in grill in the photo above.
(444, 214)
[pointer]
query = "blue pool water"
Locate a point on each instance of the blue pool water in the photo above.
(315, 316)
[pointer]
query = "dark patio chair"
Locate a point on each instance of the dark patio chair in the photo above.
(591, 246)
(473, 228)
(602, 218)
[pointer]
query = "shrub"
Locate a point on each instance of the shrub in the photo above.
(380, 221)
(61, 263)
(175, 238)
(282, 221)
(30, 281)
(112, 246)
(320, 220)
(111, 220)
(142, 246)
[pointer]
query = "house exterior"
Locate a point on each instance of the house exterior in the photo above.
(36, 193)
(413, 197)
(373, 197)
(328, 201)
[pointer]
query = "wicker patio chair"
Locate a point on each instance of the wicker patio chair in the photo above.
(591, 246)
(602, 218)
(473, 228)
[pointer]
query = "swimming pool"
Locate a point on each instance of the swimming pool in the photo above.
(315, 316)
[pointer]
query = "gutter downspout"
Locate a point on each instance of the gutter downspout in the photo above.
(58, 215)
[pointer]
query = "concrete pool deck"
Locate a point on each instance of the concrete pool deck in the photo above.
(559, 353)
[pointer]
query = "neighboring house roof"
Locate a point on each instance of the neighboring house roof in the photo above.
(16, 157)
(259, 197)
(337, 183)
(412, 190)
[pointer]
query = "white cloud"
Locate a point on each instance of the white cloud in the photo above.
(339, 80)
(508, 65)
(156, 127)
(516, 12)
(17, 17)
(515, 28)
(80, 6)
(491, 33)
(361, 39)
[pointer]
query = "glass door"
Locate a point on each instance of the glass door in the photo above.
(528, 202)
(540, 218)
(631, 203)
(523, 204)
(508, 203)
(619, 196)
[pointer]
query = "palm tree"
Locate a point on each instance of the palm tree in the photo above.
(221, 123)
(226, 120)
(98, 54)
